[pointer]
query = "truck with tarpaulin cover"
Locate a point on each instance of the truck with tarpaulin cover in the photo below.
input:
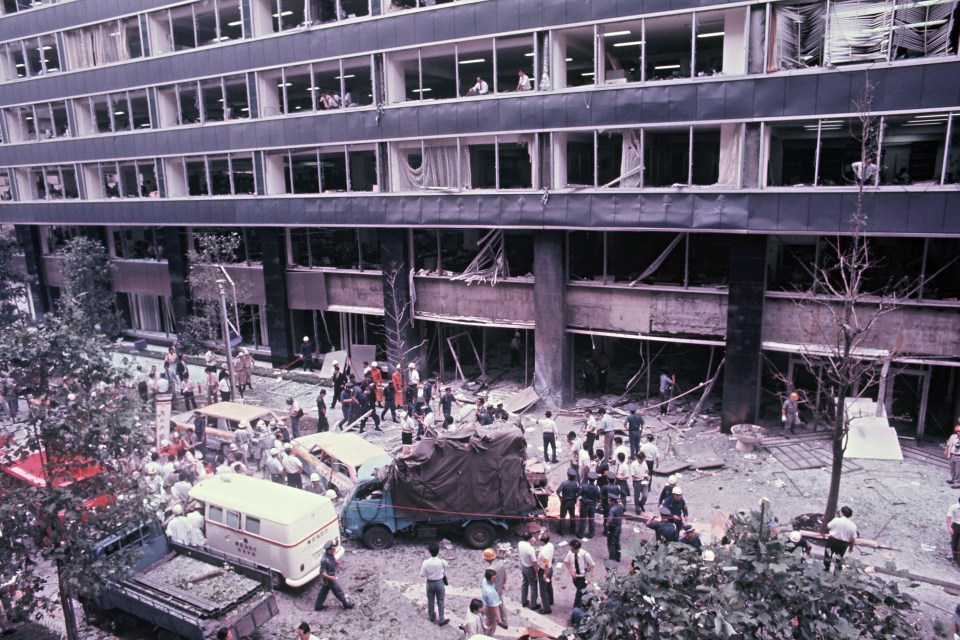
(470, 482)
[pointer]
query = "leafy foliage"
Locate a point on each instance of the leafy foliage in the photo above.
(80, 418)
(88, 285)
(11, 281)
(203, 325)
(755, 587)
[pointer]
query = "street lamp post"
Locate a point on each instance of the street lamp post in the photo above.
(226, 335)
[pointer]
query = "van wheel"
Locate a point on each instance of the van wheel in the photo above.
(479, 535)
(378, 538)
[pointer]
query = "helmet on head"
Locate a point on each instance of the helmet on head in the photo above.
(489, 554)
(795, 536)
(672, 479)
(677, 491)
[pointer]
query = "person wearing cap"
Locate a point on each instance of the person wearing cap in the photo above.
(273, 467)
(244, 369)
(677, 505)
(614, 526)
(367, 403)
(495, 563)
(634, 424)
(294, 412)
(376, 374)
(796, 541)
(446, 406)
(607, 490)
(306, 353)
(690, 537)
(178, 529)
(665, 527)
(329, 570)
(589, 497)
(667, 490)
(579, 564)
(348, 404)
(242, 437)
(389, 403)
(569, 493)
(548, 428)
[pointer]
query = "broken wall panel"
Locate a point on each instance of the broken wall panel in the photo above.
(643, 311)
(508, 302)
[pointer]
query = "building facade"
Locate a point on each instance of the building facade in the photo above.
(626, 178)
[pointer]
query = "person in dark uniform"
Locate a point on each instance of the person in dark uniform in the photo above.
(664, 527)
(446, 406)
(348, 405)
(609, 488)
(690, 537)
(677, 505)
(368, 402)
(797, 541)
(589, 497)
(614, 525)
(569, 491)
(634, 424)
(322, 423)
(339, 379)
(389, 402)
(329, 568)
(667, 490)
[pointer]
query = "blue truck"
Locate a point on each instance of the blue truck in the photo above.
(471, 483)
(181, 592)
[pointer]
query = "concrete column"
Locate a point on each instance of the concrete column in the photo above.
(178, 266)
(29, 239)
(741, 374)
(275, 287)
(552, 360)
(401, 337)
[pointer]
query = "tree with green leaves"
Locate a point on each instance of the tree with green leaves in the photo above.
(12, 288)
(204, 324)
(752, 586)
(81, 437)
(88, 284)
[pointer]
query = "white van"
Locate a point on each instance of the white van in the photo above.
(274, 526)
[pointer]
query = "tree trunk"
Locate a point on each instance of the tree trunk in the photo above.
(66, 602)
(836, 469)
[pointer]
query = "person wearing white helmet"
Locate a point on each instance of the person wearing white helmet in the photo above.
(306, 353)
(677, 505)
(797, 541)
(315, 485)
(273, 467)
(154, 481)
(178, 528)
(377, 376)
(668, 488)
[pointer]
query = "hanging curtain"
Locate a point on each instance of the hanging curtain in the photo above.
(799, 35)
(631, 161)
(730, 142)
(923, 30)
(437, 170)
(857, 31)
(74, 49)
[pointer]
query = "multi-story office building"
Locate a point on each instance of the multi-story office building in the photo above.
(656, 180)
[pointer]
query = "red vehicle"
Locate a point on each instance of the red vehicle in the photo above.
(30, 470)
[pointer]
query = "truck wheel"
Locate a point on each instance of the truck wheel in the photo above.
(479, 535)
(378, 538)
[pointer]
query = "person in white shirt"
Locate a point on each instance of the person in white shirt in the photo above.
(473, 621)
(303, 632)
(292, 467)
(545, 560)
(842, 536)
(864, 171)
(650, 452)
(549, 430)
(178, 528)
(589, 431)
(585, 464)
(640, 478)
(479, 89)
(528, 570)
(579, 565)
(523, 81)
(434, 569)
(181, 489)
(619, 448)
(195, 537)
(953, 528)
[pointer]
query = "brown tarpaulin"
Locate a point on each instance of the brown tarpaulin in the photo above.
(474, 470)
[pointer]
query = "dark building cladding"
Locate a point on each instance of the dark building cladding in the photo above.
(663, 177)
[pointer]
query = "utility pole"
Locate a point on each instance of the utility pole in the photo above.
(226, 335)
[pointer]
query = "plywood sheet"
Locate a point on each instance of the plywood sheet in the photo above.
(360, 353)
(327, 369)
(874, 439)
(520, 400)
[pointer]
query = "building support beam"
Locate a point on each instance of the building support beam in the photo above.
(178, 266)
(279, 328)
(741, 379)
(29, 239)
(552, 358)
